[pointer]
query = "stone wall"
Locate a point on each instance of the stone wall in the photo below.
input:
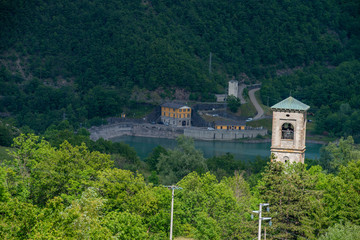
(161, 131)
(130, 129)
(205, 134)
(291, 149)
(110, 131)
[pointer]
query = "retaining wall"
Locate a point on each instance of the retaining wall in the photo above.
(110, 131)
(161, 131)
(131, 129)
(205, 134)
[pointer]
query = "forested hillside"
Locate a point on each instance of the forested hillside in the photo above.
(82, 59)
(332, 93)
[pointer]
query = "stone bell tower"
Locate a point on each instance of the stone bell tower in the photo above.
(289, 130)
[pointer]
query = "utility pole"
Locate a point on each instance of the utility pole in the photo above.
(172, 187)
(261, 218)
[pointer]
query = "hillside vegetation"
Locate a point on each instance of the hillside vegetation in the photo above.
(80, 60)
(71, 192)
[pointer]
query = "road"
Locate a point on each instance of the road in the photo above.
(240, 93)
(260, 111)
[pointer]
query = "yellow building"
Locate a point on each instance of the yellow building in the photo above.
(230, 125)
(176, 114)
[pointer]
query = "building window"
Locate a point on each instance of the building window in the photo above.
(287, 131)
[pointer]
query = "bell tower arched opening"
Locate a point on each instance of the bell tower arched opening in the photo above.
(287, 131)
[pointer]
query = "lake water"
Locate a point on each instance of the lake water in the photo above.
(241, 151)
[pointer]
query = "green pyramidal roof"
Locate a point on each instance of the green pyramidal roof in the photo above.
(291, 104)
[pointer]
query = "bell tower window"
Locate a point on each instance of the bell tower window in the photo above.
(287, 131)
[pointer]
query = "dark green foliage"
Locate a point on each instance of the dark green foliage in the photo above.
(7, 133)
(154, 178)
(335, 155)
(106, 146)
(103, 102)
(332, 94)
(341, 194)
(181, 161)
(291, 192)
(80, 60)
(233, 103)
(153, 158)
(70, 192)
(224, 165)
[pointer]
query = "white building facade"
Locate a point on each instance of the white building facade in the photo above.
(233, 88)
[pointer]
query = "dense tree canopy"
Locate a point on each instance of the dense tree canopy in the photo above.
(70, 192)
(331, 92)
(80, 60)
(66, 64)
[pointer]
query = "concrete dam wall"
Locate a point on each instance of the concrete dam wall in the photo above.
(132, 129)
(161, 131)
(205, 134)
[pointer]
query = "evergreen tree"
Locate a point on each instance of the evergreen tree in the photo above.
(181, 161)
(290, 191)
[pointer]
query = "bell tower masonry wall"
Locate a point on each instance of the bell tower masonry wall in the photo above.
(293, 148)
(289, 130)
